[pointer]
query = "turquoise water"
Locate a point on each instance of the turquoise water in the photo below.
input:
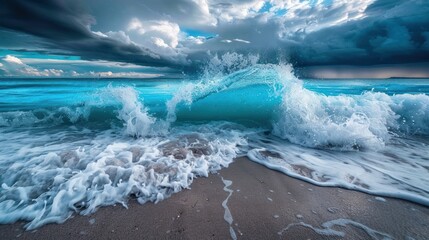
(73, 145)
(255, 102)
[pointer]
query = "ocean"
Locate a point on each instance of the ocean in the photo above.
(73, 145)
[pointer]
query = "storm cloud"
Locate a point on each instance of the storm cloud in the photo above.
(66, 26)
(183, 33)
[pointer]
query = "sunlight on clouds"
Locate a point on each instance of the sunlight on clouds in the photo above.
(309, 16)
(110, 74)
(13, 59)
(13, 66)
(235, 10)
(151, 30)
(31, 67)
(181, 33)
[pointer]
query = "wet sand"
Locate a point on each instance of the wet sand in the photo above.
(262, 203)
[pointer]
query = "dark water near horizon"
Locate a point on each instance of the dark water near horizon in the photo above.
(72, 145)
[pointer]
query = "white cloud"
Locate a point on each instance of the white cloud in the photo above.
(13, 59)
(241, 40)
(110, 74)
(33, 72)
(183, 31)
(161, 37)
(235, 40)
(100, 34)
(269, 23)
(38, 67)
(195, 40)
(309, 16)
(119, 36)
(15, 67)
(156, 31)
(235, 10)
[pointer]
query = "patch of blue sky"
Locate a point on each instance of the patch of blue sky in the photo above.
(281, 12)
(328, 3)
(198, 33)
(24, 54)
(266, 8)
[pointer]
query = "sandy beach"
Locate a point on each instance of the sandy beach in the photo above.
(263, 204)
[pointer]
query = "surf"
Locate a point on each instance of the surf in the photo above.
(119, 141)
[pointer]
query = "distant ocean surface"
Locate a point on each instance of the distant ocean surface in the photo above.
(73, 145)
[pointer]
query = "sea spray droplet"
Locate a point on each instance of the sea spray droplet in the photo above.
(136, 119)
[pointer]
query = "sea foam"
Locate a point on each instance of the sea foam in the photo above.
(113, 145)
(50, 174)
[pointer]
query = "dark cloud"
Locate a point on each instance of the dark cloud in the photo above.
(57, 20)
(114, 15)
(381, 6)
(346, 32)
(65, 25)
(373, 40)
(393, 32)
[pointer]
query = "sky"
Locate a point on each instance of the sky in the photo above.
(166, 38)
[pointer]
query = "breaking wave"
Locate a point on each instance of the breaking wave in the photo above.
(57, 161)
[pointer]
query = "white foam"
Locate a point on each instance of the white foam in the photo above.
(383, 173)
(136, 119)
(81, 170)
(227, 215)
(362, 142)
(328, 229)
(336, 122)
(346, 122)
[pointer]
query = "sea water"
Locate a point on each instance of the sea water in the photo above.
(72, 145)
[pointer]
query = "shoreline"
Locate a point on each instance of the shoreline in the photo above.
(263, 204)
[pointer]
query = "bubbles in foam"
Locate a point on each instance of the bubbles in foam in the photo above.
(413, 112)
(346, 122)
(49, 173)
(365, 128)
(398, 170)
(337, 122)
(80, 171)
